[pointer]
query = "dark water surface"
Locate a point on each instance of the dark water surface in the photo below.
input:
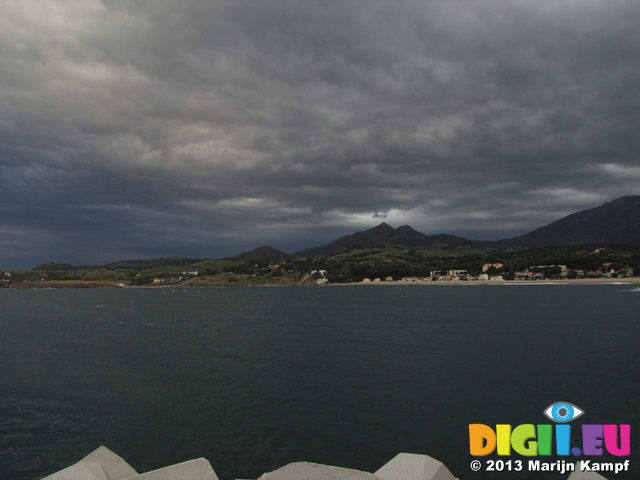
(254, 378)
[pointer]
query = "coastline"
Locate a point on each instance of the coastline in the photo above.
(576, 281)
(71, 284)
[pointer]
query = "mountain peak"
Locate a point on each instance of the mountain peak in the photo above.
(347, 241)
(405, 235)
(264, 253)
(383, 226)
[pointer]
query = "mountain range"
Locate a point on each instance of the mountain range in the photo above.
(617, 221)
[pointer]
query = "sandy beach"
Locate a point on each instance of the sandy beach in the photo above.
(582, 281)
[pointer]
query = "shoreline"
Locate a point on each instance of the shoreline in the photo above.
(97, 284)
(576, 281)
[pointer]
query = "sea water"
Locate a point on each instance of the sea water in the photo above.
(255, 378)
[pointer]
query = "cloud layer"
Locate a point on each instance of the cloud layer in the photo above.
(202, 128)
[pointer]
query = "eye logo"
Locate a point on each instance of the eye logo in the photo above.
(563, 412)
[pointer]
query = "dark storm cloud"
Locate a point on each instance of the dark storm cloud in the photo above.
(203, 128)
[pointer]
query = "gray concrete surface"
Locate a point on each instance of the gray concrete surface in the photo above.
(80, 471)
(113, 465)
(315, 471)
(585, 476)
(103, 464)
(410, 466)
(198, 469)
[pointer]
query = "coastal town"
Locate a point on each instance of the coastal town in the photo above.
(490, 273)
(598, 265)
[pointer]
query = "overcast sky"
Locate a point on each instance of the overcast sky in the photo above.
(204, 128)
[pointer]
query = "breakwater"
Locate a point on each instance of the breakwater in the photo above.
(103, 464)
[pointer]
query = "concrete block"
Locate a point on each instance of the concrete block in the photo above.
(315, 471)
(114, 466)
(198, 469)
(410, 466)
(578, 475)
(80, 471)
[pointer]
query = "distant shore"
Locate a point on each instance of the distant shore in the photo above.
(61, 284)
(575, 281)
(99, 284)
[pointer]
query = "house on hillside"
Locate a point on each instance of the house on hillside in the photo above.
(456, 273)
